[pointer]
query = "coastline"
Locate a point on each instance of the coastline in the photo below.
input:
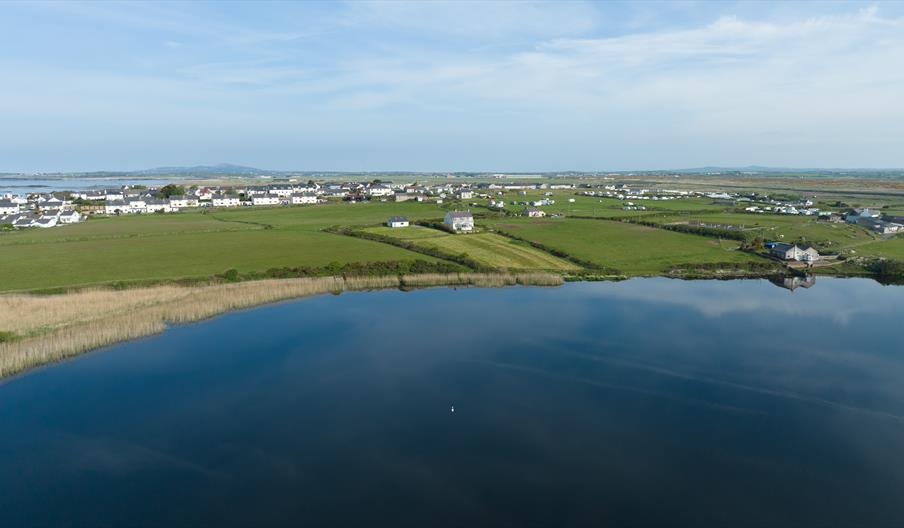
(52, 328)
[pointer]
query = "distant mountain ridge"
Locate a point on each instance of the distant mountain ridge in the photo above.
(221, 168)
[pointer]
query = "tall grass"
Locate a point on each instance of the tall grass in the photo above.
(54, 327)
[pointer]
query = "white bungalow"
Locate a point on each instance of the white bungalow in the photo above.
(115, 207)
(7, 207)
(70, 217)
(181, 201)
(137, 205)
(267, 199)
(224, 200)
(533, 212)
(459, 220)
(379, 189)
(397, 221)
(304, 198)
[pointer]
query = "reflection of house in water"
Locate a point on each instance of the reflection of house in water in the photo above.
(793, 283)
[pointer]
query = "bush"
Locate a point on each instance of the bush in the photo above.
(6, 336)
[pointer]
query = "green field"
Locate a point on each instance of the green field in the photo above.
(487, 248)
(891, 249)
(630, 248)
(788, 228)
(195, 244)
(202, 243)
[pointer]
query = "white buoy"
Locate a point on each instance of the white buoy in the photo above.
(453, 409)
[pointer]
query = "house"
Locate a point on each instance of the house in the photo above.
(70, 217)
(403, 196)
(224, 200)
(115, 207)
(7, 207)
(533, 212)
(45, 222)
(860, 214)
(466, 194)
(379, 189)
(459, 220)
(153, 205)
(113, 194)
(800, 253)
(304, 198)
(397, 221)
(181, 201)
(136, 205)
(283, 191)
(267, 199)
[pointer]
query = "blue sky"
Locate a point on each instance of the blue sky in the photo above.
(451, 86)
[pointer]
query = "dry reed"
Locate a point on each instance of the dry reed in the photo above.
(55, 327)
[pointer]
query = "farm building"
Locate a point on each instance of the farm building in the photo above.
(533, 212)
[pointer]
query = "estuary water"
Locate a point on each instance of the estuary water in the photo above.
(24, 186)
(650, 402)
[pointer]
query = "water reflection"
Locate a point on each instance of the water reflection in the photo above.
(794, 282)
(646, 403)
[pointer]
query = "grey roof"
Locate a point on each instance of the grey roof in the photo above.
(398, 219)
(7, 203)
(460, 214)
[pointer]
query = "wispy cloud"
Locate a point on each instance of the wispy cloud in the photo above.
(576, 85)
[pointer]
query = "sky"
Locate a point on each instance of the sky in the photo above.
(458, 86)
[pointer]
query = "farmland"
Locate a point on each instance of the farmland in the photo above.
(199, 244)
(487, 248)
(192, 245)
(629, 248)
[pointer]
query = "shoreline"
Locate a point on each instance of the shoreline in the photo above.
(46, 329)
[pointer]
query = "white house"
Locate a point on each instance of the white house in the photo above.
(800, 253)
(7, 207)
(533, 212)
(283, 191)
(156, 206)
(137, 205)
(113, 194)
(459, 220)
(70, 217)
(267, 199)
(397, 221)
(45, 222)
(378, 189)
(466, 194)
(304, 198)
(181, 201)
(224, 200)
(113, 207)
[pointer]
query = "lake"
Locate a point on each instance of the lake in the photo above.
(649, 402)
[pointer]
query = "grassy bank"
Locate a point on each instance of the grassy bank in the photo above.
(43, 329)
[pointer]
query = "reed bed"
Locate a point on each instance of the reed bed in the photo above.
(54, 327)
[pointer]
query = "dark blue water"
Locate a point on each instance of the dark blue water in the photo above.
(643, 403)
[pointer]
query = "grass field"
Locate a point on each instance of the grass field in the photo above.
(487, 248)
(630, 248)
(193, 244)
(891, 249)
(825, 235)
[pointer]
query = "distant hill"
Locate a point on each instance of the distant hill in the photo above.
(197, 170)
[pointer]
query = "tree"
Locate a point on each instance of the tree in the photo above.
(171, 190)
